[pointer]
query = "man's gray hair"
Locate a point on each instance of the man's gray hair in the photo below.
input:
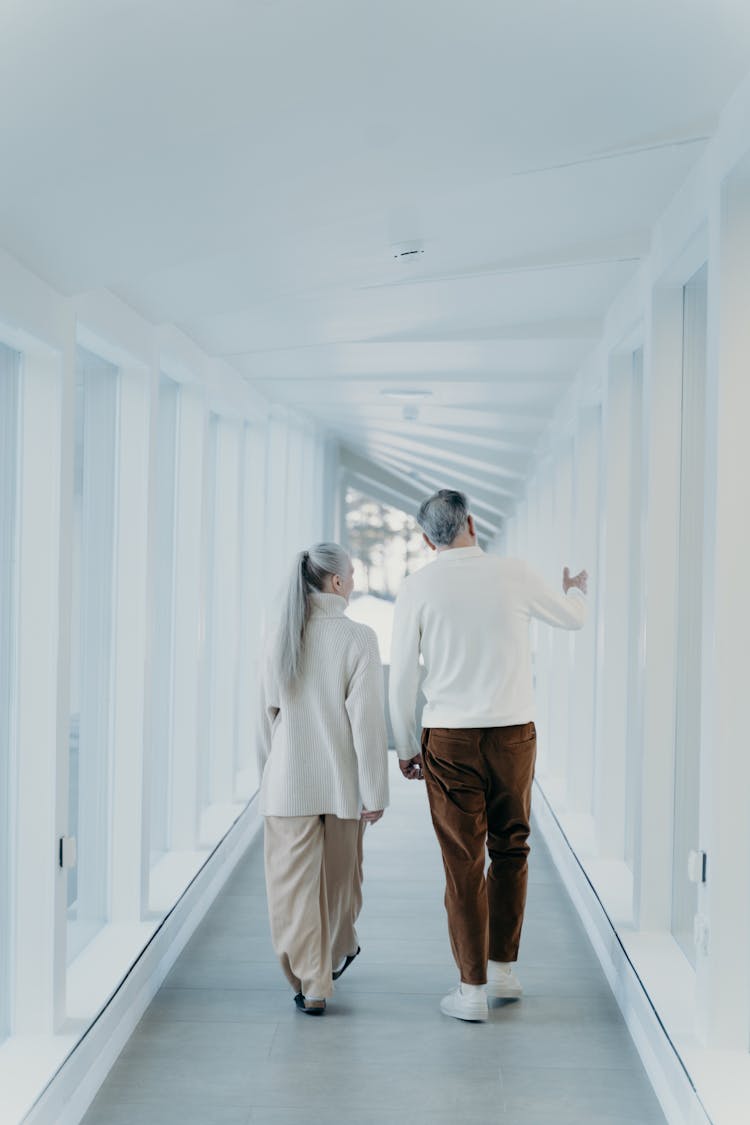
(443, 516)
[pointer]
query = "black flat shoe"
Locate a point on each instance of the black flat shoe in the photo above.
(346, 964)
(310, 1007)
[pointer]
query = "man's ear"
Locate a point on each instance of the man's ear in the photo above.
(429, 542)
(472, 529)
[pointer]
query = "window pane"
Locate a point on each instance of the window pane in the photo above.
(688, 702)
(163, 618)
(91, 646)
(386, 546)
(9, 368)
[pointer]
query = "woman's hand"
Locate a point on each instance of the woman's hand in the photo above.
(371, 817)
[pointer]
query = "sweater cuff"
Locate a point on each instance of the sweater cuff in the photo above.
(576, 592)
(406, 753)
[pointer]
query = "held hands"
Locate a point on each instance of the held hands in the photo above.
(580, 581)
(412, 768)
(371, 817)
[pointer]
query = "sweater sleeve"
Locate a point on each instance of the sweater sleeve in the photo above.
(267, 712)
(566, 611)
(404, 681)
(365, 707)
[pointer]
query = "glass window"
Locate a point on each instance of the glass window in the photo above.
(163, 618)
(689, 609)
(9, 392)
(386, 546)
(91, 645)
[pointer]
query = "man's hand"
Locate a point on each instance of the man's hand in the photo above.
(580, 581)
(371, 817)
(412, 769)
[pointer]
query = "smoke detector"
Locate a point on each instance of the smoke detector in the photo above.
(407, 251)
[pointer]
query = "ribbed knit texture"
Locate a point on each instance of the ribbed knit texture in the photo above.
(468, 614)
(323, 746)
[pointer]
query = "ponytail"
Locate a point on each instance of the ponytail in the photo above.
(310, 570)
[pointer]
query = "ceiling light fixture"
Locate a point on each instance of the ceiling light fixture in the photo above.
(407, 251)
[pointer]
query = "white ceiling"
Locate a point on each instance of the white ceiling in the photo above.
(243, 168)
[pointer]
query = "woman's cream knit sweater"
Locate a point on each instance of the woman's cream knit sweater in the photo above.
(323, 747)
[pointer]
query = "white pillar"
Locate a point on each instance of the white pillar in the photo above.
(614, 589)
(277, 525)
(253, 579)
(662, 397)
(546, 564)
(532, 523)
(724, 975)
(561, 640)
(191, 439)
(296, 531)
(581, 763)
(39, 939)
(225, 618)
(129, 854)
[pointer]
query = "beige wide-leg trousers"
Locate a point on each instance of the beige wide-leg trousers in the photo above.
(314, 887)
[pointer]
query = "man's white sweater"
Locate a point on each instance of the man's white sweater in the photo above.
(468, 615)
(323, 746)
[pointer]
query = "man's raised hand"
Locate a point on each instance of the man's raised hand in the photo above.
(580, 581)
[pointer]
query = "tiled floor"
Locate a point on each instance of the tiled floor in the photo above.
(222, 1044)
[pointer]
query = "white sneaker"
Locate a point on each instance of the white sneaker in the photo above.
(503, 984)
(463, 1007)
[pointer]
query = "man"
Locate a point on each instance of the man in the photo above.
(468, 616)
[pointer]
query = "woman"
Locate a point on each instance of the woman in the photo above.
(323, 759)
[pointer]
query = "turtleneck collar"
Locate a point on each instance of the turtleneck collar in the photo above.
(327, 605)
(456, 553)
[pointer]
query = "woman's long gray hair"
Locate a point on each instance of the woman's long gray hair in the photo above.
(311, 568)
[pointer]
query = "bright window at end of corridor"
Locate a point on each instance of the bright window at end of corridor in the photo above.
(386, 546)
(9, 395)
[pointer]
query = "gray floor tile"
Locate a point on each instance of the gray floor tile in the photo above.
(189, 1111)
(284, 1115)
(234, 1005)
(534, 1096)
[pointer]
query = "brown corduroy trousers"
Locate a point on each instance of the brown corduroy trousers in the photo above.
(479, 787)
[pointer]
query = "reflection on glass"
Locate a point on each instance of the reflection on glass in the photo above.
(91, 645)
(9, 366)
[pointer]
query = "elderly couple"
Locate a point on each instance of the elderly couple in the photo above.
(322, 750)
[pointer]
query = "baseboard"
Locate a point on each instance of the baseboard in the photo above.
(71, 1091)
(666, 1071)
